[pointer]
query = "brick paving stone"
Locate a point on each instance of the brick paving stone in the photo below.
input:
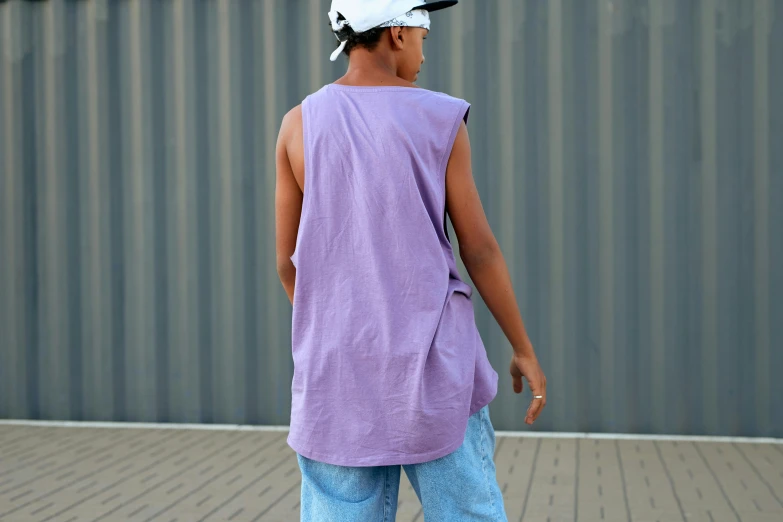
(172, 475)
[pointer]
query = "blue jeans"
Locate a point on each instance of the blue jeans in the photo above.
(461, 486)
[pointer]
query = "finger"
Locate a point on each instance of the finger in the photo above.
(517, 382)
(529, 415)
(536, 406)
(516, 378)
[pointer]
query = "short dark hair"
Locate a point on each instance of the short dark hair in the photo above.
(368, 39)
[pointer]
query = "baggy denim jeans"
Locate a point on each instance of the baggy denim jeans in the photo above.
(462, 486)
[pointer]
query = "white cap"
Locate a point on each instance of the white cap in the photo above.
(363, 15)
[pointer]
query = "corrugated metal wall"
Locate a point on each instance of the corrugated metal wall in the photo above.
(629, 154)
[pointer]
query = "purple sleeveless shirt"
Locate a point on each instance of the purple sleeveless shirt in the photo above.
(388, 362)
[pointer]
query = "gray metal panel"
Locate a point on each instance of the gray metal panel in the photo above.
(628, 153)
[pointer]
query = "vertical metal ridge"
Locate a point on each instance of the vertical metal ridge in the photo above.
(456, 57)
(775, 208)
(556, 202)
(507, 172)
(54, 325)
(709, 218)
(573, 209)
(605, 205)
(761, 27)
(7, 239)
(317, 19)
(13, 382)
(623, 177)
(140, 307)
(185, 374)
(271, 121)
(229, 360)
(658, 239)
(262, 199)
(95, 226)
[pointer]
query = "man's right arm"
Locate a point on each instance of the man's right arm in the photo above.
(480, 252)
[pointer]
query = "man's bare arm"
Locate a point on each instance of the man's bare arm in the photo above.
(484, 261)
(288, 203)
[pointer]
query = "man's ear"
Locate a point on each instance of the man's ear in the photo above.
(397, 36)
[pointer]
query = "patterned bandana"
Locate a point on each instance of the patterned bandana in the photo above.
(415, 18)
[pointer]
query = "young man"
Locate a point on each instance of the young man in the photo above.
(389, 368)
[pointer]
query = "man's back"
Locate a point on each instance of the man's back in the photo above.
(378, 297)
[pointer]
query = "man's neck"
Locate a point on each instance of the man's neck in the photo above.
(370, 68)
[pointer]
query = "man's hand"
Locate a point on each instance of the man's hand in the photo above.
(527, 366)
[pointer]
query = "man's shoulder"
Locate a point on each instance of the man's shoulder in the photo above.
(290, 127)
(294, 115)
(447, 106)
(292, 119)
(445, 97)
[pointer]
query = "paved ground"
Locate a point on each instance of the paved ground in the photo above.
(91, 474)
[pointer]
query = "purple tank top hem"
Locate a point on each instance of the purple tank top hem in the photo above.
(388, 362)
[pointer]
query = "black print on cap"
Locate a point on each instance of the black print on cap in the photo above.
(396, 22)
